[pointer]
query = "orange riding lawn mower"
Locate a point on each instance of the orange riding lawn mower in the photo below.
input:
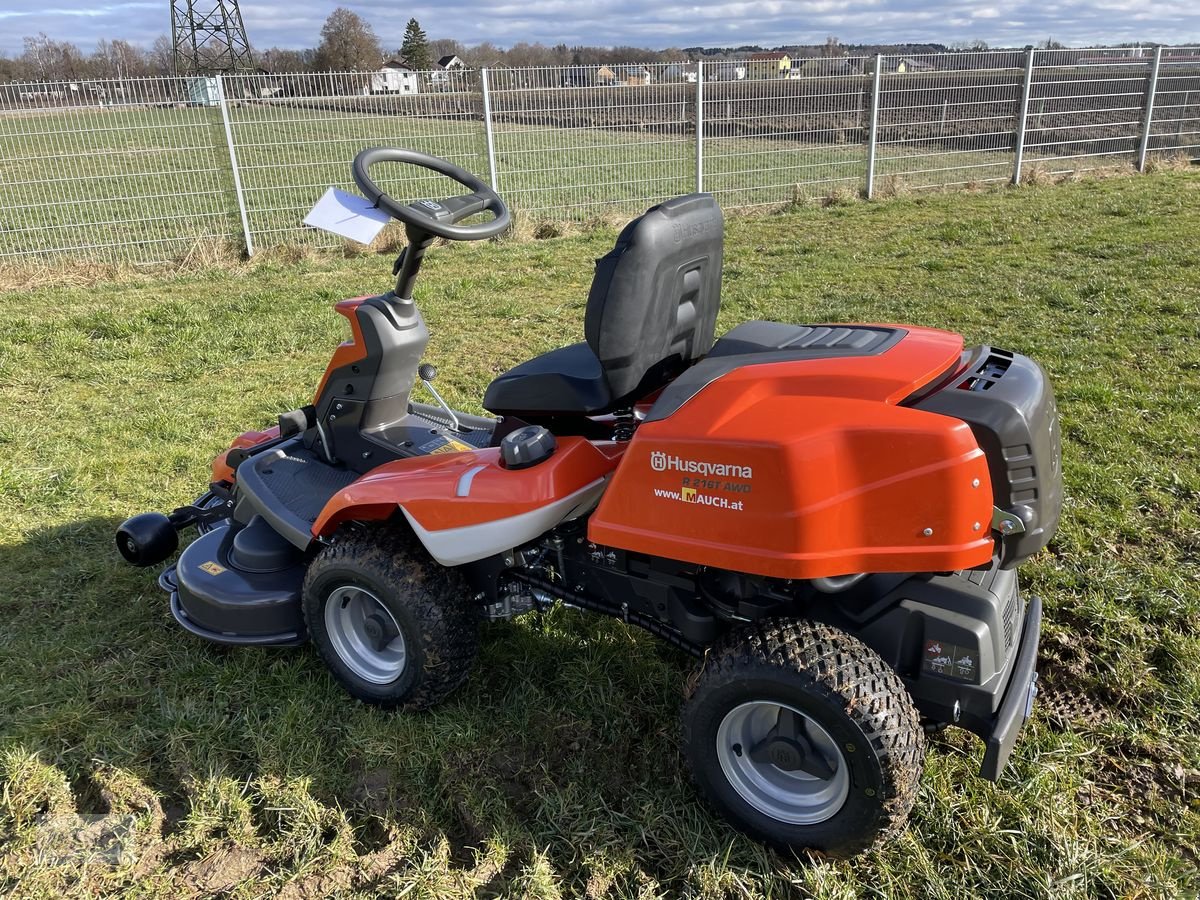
(828, 517)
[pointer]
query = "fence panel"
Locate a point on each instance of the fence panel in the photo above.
(142, 169)
(785, 137)
(947, 119)
(581, 141)
(296, 136)
(1175, 127)
(1085, 108)
(127, 169)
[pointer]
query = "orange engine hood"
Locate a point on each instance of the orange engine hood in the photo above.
(808, 468)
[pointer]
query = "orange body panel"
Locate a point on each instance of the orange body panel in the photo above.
(347, 352)
(221, 470)
(428, 486)
(808, 469)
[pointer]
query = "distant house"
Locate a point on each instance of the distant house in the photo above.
(633, 75)
(394, 77)
(823, 65)
(679, 72)
(725, 70)
(605, 76)
(714, 70)
(908, 64)
(576, 76)
(769, 64)
(447, 74)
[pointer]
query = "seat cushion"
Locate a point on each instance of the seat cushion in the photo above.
(567, 380)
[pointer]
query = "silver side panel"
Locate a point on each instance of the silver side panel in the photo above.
(455, 546)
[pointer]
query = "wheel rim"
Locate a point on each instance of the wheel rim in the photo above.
(365, 635)
(813, 782)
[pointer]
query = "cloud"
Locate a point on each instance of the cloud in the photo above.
(650, 23)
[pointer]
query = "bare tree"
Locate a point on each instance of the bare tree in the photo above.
(486, 54)
(348, 43)
(118, 59)
(832, 47)
(443, 47)
(52, 60)
(161, 57)
(281, 60)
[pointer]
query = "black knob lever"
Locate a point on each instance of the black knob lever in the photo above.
(426, 372)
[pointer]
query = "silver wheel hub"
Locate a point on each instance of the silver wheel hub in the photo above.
(365, 635)
(782, 762)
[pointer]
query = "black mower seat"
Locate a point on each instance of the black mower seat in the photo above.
(566, 380)
(651, 313)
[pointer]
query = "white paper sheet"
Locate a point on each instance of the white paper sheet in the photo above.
(347, 215)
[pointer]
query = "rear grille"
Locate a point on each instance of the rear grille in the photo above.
(1008, 621)
(988, 372)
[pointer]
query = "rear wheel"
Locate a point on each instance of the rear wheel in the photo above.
(803, 737)
(394, 627)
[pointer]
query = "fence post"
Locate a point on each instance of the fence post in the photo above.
(487, 128)
(237, 175)
(1023, 116)
(699, 126)
(874, 126)
(1148, 115)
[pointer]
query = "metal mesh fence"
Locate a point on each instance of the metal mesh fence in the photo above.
(295, 137)
(134, 169)
(580, 141)
(947, 119)
(1175, 125)
(1085, 108)
(770, 139)
(141, 169)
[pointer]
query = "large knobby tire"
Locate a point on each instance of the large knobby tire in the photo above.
(853, 750)
(418, 633)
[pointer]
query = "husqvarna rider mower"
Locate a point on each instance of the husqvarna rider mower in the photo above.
(828, 516)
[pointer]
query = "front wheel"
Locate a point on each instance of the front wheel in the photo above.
(394, 627)
(803, 737)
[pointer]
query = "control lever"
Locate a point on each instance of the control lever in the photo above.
(427, 372)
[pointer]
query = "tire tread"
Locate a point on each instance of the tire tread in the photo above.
(848, 674)
(433, 593)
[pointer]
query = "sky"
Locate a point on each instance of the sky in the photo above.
(649, 23)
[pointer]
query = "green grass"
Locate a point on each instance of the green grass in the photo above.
(146, 184)
(554, 772)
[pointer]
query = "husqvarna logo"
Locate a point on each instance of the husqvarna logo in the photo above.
(662, 462)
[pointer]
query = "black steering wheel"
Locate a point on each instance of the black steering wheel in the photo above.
(435, 216)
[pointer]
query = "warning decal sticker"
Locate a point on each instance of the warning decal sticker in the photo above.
(444, 445)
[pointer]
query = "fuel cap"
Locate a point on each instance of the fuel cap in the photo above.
(526, 447)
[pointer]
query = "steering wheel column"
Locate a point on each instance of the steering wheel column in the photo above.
(426, 219)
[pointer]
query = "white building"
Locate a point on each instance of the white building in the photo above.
(394, 77)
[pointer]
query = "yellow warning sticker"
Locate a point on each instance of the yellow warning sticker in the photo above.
(212, 568)
(451, 446)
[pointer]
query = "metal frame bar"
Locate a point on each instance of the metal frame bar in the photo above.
(873, 132)
(1023, 117)
(489, 133)
(1148, 119)
(233, 162)
(699, 126)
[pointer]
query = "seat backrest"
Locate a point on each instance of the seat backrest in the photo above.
(652, 309)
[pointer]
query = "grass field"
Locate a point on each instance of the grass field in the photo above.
(145, 185)
(554, 772)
